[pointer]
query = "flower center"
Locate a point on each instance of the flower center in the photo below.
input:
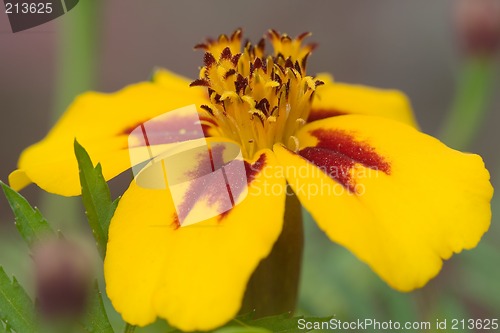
(257, 99)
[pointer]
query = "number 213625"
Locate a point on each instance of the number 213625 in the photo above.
(28, 8)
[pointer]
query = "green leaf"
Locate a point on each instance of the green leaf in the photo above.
(243, 330)
(96, 198)
(96, 319)
(16, 308)
(29, 221)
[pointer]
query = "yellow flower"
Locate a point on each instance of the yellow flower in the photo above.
(399, 199)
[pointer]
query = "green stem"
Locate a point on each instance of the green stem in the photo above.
(76, 65)
(474, 89)
(129, 328)
(273, 287)
(77, 54)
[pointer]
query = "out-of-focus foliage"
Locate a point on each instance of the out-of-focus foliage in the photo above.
(16, 308)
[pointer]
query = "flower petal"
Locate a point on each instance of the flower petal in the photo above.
(18, 179)
(335, 99)
(101, 123)
(194, 276)
(400, 200)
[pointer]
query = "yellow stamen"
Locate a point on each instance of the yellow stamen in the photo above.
(258, 99)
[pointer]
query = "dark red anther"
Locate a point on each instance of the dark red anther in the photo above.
(261, 46)
(303, 62)
(241, 83)
(209, 59)
(200, 82)
(235, 59)
(297, 67)
(207, 108)
(257, 63)
(226, 54)
(229, 73)
(263, 105)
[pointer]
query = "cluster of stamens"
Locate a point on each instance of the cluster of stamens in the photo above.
(257, 99)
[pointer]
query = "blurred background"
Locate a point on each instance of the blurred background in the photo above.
(413, 46)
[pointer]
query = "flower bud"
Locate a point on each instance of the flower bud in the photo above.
(478, 25)
(63, 278)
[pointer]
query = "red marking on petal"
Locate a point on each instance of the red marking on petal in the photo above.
(335, 165)
(318, 114)
(175, 223)
(252, 170)
(211, 189)
(337, 152)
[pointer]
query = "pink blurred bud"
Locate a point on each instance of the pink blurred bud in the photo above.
(63, 278)
(478, 25)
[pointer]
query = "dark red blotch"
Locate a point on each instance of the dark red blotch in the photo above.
(338, 151)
